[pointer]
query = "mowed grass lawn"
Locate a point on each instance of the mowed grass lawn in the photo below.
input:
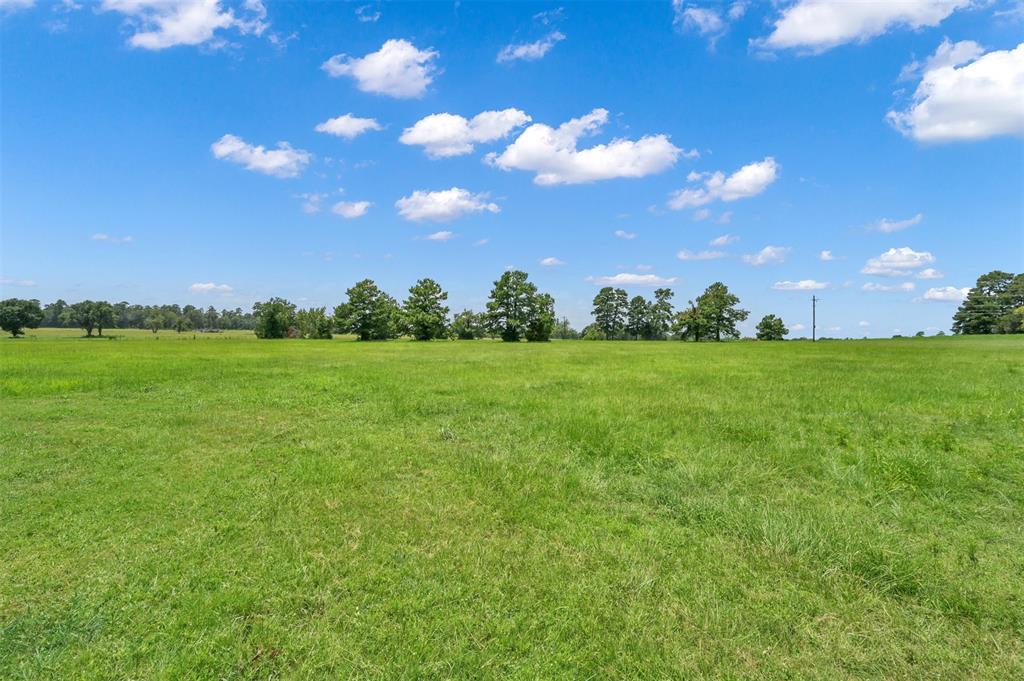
(231, 508)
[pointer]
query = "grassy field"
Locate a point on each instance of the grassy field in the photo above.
(222, 507)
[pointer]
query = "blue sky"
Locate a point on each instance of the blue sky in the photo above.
(141, 158)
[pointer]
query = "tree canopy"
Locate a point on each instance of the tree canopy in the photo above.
(426, 315)
(17, 314)
(771, 328)
(993, 305)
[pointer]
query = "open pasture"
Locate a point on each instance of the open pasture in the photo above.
(221, 507)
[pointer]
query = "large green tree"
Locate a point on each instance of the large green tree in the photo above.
(511, 305)
(720, 312)
(638, 318)
(17, 314)
(610, 310)
(659, 316)
(89, 315)
(541, 320)
(426, 315)
(274, 318)
(993, 298)
(369, 313)
(771, 328)
(689, 323)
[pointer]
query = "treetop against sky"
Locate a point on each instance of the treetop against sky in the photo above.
(223, 152)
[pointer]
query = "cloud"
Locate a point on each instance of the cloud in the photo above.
(889, 226)
(348, 126)
(929, 273)
(826, 256)
(703, 255)
(15, 5)
(9, 281)
(284, 161)
(159, 24)
(311, 201)
(947, 54)
(629, 279)
(769, 255)
(210, 287)
(704, 20)
(552, 153)
(443, 235)
(724, 240)
(947, 294)
(112, 239)
(962, 96)
(885, 288)
(623, 234)
(445, 134)
(802, 285)
(351, 209)
(481, 242)
(820, 25)
(862, 324)
(443, 206)
(366, 14)
(397, 69)
(750, 180)
(897, 262)
(701, 214)
(530, 51)
(551, 262)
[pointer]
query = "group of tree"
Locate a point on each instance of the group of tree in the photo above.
(713, 315)
(124, 315)
(516, 311)
(994, 305)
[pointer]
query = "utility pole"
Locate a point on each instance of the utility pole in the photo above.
(814, 318)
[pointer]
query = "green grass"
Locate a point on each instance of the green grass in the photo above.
(221, 507)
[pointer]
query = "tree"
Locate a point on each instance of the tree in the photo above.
(89, 315)
(637, 317)
(541, 320)
(510, 305)
(467, 325)
(660, 314)
(426, 315)
(369, 313)
(314, 323)
(273, 318)
(991, 299)
(719, 312)
(771, 328)
(182, 323)
(52, 314)
(155, 321)
(610, 310)
(17, 314)
(689, 323)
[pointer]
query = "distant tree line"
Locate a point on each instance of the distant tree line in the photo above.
(994, 305)
(515, 311)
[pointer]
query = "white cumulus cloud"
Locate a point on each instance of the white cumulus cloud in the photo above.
(112, 239)
(159, 24)
(443, 206)
(929, 273)
(897, 262)
(820, 25)
(826, 256)
(623, 234)
(769, 255)
(444, 134)
(964, 96)
(285, 161)
(551, 262)
(351, 209)
(630, 279)
(348, 126)
(553, 155)
(947, 294)
(724, 240)
(210, 287)
(530, 51)
(750, 180)
(443, 235)
(802, 285)
(398, 69)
